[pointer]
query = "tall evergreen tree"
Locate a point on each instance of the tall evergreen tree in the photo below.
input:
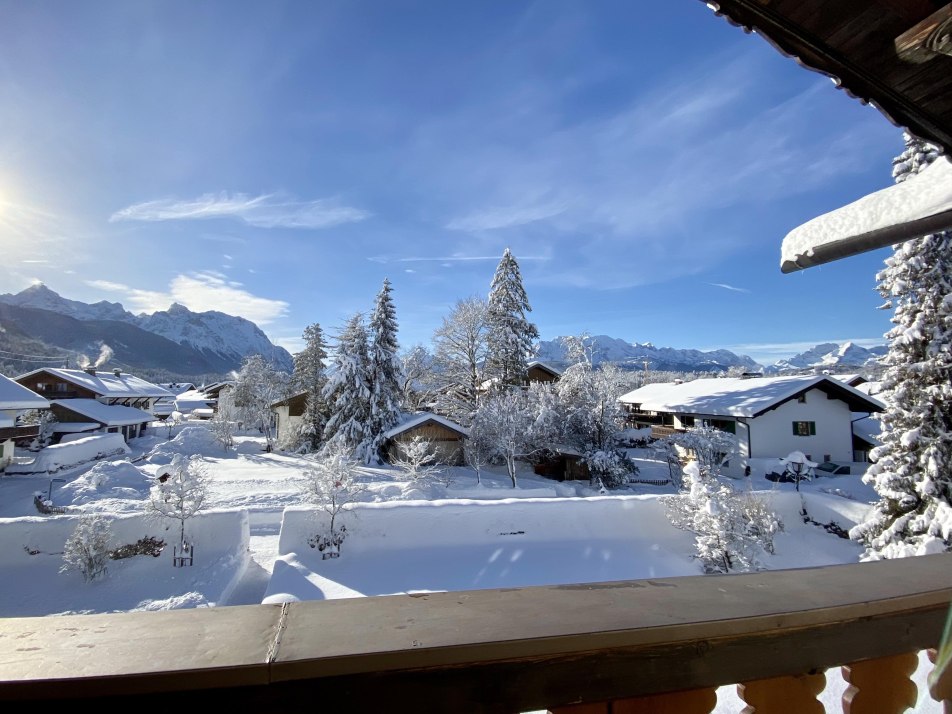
(510, 334)
(384, 372)
(913, 469)
(310, 376)
(347, 391)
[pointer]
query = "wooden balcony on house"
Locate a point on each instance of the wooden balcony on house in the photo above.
(27, 431)
(628, 646)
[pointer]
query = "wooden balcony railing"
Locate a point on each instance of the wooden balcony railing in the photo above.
(667, 642)
(26, 431)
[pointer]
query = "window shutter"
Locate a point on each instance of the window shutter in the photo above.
(812, 428)
(795, 432)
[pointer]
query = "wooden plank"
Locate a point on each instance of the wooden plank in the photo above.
(493, 650)
(925, 40)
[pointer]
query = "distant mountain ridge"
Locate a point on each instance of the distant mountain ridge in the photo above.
(632, 355)
(220, 342)
(831, 355)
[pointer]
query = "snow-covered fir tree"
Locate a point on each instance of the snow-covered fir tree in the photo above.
(912, 472)
(347, 391)
(510, 334)
(310, 377)
(384, 372)
(459, 356)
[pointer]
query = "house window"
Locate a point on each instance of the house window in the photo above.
(62, 387)
(804, 428)
(728, 425)
(687, 421)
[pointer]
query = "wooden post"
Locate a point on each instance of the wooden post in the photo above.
(779, 695)
(880, 686)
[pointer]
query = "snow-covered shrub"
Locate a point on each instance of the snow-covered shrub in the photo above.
(106, 479)
(610, 466)
(330, 483)
(223, 429)
(416, 458)
(710, 447)
(87, 549)
(731, 532)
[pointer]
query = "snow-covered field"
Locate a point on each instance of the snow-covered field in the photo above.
(403, 537)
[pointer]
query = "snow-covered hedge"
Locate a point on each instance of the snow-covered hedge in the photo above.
(63, 456)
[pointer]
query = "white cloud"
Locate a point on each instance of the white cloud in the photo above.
(264, 211)
(504, 217)
(729, 287)
(200, 292)
(446, 261)
(652, 180)
(108, 285)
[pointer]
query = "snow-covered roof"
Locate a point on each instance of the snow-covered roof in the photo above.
(411, 421)
(74, 427)
(850, 379)
(740, 397)
(177, 388)
(109, 414)
(920, 205)
(16, 396)
(106, 384)
(544, 365)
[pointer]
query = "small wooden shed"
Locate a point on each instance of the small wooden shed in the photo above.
(445, 436)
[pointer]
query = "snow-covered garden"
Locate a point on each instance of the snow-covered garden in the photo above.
(254, 532)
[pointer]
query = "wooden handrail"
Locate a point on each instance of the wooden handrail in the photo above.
(489, 650)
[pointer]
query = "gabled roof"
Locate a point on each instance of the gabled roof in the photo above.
(109, 414)
(412, 421)
(16, 396)
(742, 397)
(555, 371)
(867, 429)
(106, 384)
(296, 402)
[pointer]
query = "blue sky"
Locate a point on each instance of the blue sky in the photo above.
(278, 160)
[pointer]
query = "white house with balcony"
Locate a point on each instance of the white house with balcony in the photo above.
(771, 416)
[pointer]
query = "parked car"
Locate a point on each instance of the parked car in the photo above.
(830, 468)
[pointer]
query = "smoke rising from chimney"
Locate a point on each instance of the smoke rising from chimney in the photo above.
(105, 354)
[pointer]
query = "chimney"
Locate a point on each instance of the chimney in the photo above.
(116, 371)
(90, 370)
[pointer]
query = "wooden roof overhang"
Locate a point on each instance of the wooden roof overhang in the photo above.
(895, 54)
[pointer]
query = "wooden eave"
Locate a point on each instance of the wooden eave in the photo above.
(855, 42)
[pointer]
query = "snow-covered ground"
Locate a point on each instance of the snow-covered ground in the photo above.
(404, 536)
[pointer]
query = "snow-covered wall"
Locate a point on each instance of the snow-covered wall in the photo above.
(771, 434)
(401, 524)
(215, 533)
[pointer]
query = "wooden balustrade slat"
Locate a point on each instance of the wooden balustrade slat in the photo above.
(880, 686)
(783, 695)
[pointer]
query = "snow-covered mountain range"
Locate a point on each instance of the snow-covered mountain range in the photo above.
(831, 355)
(223, 339)
(634, 356)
